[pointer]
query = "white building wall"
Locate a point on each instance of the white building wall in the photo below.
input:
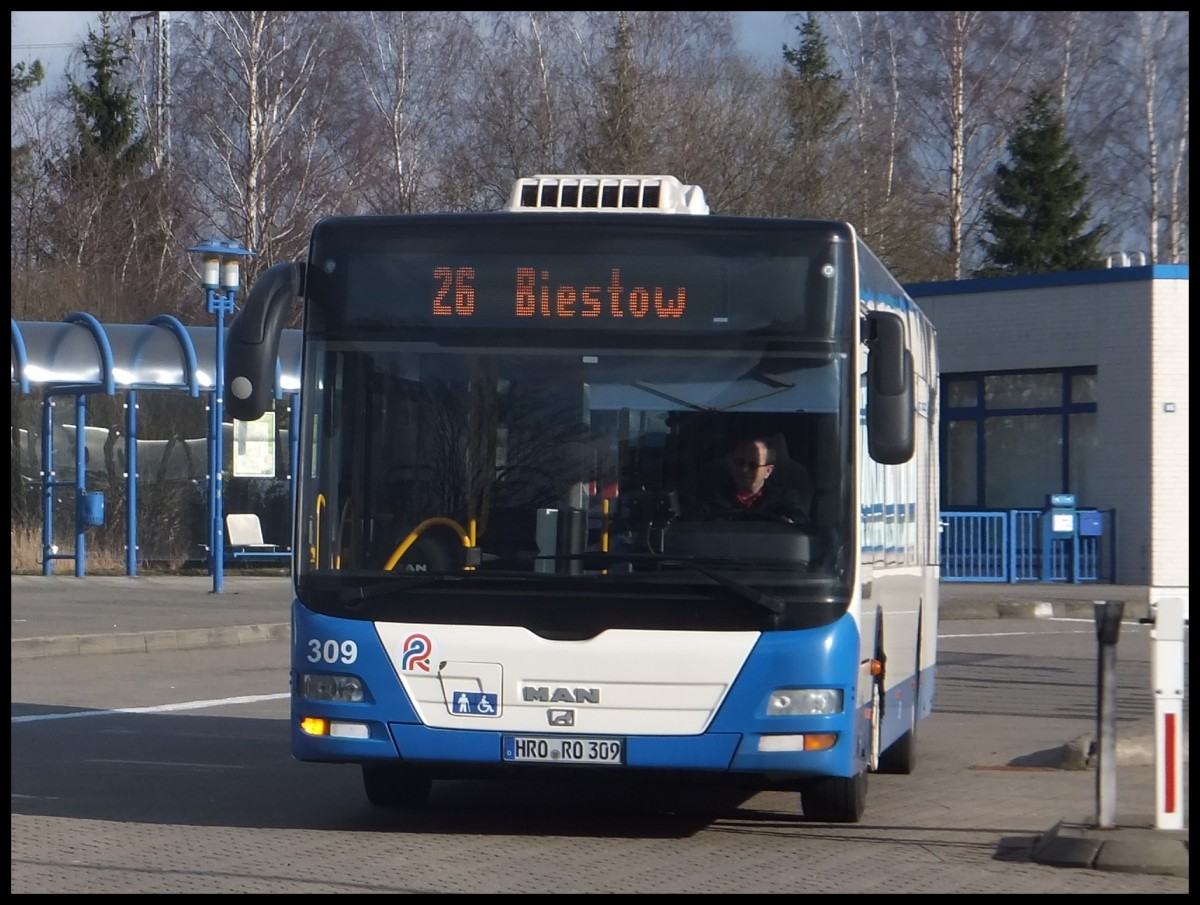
(1170, 411)
(1135, 334)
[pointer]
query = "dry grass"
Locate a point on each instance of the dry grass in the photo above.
(100, 559)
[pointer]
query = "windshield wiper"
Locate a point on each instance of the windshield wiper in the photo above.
(360, 592)
(769, 602)
(400, 584)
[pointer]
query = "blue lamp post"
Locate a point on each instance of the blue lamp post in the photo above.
(219, 275)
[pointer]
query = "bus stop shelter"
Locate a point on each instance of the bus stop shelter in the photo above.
(79, 358)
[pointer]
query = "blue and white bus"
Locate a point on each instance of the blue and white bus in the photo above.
(502, 568)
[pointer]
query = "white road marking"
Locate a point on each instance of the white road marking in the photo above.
(158, 708)
(1090, 622)
(164, 763)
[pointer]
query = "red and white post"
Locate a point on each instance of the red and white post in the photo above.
(1169, 617)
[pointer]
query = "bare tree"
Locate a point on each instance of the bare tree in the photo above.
(1178, 208)
(37, 135)
(1159, 96)
(1125, 84)
(669, 92)
(962, 77)
(515, 117)
(260, 128)
(411, 74)
(883, 190)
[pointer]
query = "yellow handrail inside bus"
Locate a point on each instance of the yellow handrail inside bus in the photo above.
(604, 508)
(468, 539)
(314, 550)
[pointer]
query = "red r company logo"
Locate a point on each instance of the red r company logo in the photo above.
(416, 653)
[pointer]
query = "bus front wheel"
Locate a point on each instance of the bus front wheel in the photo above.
(390, 786)
(835, 799)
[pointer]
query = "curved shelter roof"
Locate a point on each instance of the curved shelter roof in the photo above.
(82, 355)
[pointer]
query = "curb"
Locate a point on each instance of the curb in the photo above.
(1063, 609)
(147, 642)
(1138, 751)
(1133, 848)
(1034, 609)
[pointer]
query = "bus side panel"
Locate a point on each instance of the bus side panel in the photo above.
(905, 619)
(896, 611)
(930, 613)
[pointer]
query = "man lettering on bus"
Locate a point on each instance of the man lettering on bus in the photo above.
(744, 489)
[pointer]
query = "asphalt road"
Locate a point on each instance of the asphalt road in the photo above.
(67, 616)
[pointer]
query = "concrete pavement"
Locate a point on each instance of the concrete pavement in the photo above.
(63, 615)
(68, 616)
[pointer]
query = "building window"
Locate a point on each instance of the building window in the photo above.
(1011, 438)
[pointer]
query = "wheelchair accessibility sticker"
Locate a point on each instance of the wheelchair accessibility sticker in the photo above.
(475, 703)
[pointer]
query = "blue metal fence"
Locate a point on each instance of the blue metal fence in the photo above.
(1008, 546)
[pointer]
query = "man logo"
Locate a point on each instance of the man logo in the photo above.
(561, 717)
(560, 695)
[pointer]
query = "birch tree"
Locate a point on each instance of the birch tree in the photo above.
(1165, 106)
(410, 77)
(962, 74)
(260, 128)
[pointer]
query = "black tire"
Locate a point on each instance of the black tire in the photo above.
(835, 799)
(390, 786)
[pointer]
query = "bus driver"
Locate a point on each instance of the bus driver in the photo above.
(745, 488)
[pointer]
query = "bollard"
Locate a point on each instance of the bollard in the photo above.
(1167, 618)
(1108, 627)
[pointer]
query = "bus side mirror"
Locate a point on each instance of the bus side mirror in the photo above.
(890, 414)
(252, 345)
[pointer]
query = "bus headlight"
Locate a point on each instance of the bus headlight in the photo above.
(804, 701)
(325, 687)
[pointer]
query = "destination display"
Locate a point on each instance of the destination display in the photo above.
(537, 294)
(583, 292)
(498, 274)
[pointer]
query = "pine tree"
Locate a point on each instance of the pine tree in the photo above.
(106, 110)
(621, 141)
(816, 104)
(816, 98)
(26, 78)
(1038, 216)
(109, 214)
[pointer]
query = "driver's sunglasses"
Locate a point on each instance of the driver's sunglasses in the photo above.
(747, 463)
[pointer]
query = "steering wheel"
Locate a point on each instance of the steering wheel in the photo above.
(756, 515)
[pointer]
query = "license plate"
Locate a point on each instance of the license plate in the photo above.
(561, 749)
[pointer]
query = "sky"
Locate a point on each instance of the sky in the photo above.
(52, 36)
(49, 37)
